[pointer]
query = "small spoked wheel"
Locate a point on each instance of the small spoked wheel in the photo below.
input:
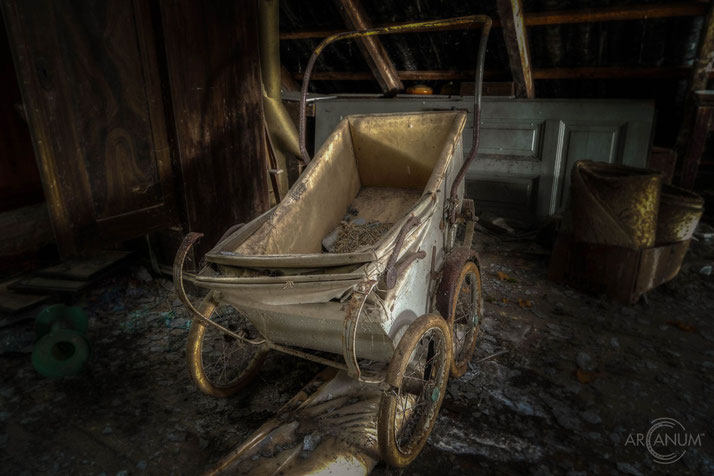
(221, 364)
(465, 316)
(417, 375)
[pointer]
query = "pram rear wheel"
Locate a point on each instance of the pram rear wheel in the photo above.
(465, 317)
(459, 300)
(417, 375)
(219, 364)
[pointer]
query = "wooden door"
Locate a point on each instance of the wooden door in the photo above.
(90, 83)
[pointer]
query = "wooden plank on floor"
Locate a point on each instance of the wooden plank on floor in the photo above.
(12, 302)
(42, 284)
(86, 268)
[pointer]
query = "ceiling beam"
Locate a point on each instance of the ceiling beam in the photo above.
(632, 12)
(583, 72)
(510, 12)
(562, 17)
(287, 83)
(372, 49)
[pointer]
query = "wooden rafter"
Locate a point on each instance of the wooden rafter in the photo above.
(633, 12)
(588, 15)
(510, 13)
(372, 49)
(286, 80)
(584, 72)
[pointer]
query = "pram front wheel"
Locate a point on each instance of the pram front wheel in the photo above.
(219, 364)
(417, 375)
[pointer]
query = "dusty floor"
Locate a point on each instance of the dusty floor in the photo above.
(523, 408)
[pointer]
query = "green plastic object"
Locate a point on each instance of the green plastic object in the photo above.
(61, 353)
(59, 316)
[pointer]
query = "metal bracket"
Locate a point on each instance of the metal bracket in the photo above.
(349, 337)
(186, 245)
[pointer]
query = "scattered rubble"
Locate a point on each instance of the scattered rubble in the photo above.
(554, 388)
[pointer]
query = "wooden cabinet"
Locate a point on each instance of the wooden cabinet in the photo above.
(90, 84)
(144, 115)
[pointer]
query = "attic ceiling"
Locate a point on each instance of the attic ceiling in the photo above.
(579, 60)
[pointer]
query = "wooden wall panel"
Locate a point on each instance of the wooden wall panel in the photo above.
(90, 83)
(20, 182)
(214, 74)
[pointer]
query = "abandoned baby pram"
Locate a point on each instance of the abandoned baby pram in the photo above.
(359, 260)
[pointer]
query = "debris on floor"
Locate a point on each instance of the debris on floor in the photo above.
(556, 387)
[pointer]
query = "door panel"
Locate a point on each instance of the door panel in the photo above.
(601, 142)
(91, 89)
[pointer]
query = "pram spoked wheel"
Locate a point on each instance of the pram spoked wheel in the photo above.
(459, 300)
(417, 375)
(220, 364)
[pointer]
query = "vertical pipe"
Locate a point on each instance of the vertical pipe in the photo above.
(280, 126)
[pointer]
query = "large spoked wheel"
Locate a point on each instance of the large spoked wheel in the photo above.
(219, 364)
(465, 317)
(417, 374)
(459, 299)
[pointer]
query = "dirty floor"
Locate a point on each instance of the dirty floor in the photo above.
(557, 384)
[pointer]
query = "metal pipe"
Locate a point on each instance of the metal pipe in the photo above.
(280, 125)
(433, 25)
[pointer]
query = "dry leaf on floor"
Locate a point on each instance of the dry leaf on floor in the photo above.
(525, 302)
(583, 376)
(504, 277)
(504, 300)
(683, 326)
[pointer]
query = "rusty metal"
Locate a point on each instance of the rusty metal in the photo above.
(433, 273)
(406, 260)
(615, 204)
(186, 245)
(400, 406)
(450, 274)
(391, 271)
(679, 214)
(352, 315)
(468, 214)
(433, 25)
(307, 356)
